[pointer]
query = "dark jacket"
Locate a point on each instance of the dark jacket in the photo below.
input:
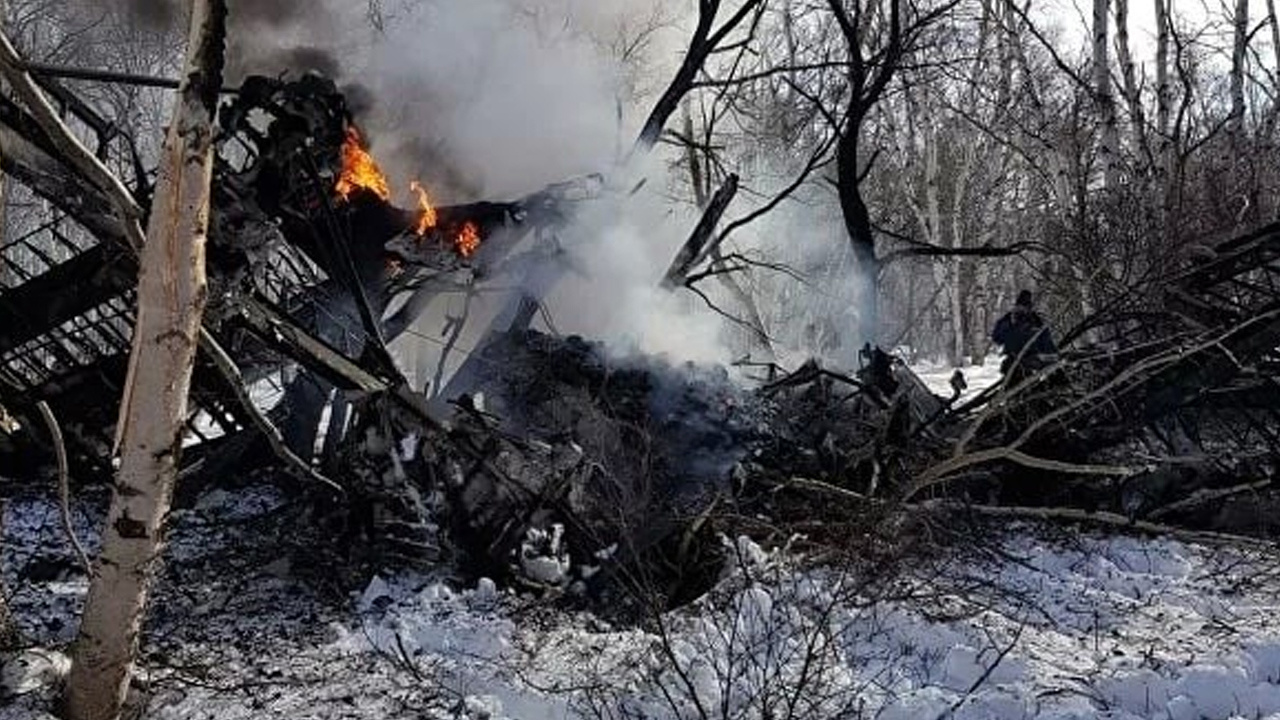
(1019, 328)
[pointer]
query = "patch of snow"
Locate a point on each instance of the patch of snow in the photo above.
(543, 557)
(378, 591)
(486, 590)
(937, 377)
(32, 670)
(1097, 627)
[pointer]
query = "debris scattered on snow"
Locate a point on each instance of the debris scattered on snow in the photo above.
(1113, 627)
(543, 557)
(33, 670)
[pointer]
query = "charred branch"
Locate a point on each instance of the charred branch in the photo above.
(46, 70)
(703, 241)
(705, 40)
(232, 375)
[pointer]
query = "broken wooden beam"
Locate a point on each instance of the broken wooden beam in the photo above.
(703, 240)
(281, 333)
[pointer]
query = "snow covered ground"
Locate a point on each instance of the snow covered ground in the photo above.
(937, 377)
(248, 623)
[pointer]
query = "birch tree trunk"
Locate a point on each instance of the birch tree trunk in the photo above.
(1103, 98)
(1132, 89)
(1240, 41)
(1274, 23)
(1164, 91)
(171, 298)
(962, 290)
(1164, 114)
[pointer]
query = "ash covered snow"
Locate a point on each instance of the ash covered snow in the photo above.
(246, 624)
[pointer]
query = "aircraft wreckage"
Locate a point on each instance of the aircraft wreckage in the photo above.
(576, 461)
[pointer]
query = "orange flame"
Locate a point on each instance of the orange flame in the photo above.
(427, 218)
(467, 240)
(359, 170)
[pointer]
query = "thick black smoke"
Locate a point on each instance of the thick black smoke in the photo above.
(281, 36)
(292, 37)
(151, 14)
(293, 60)
(166, 14)
(268, 37)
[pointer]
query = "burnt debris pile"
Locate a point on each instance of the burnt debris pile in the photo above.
(567, 469)
(575, 472)
(546, 460)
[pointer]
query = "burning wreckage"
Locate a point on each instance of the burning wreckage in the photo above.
(577, 467)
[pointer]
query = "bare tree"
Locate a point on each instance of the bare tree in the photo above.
(1131, 88)
(1104, 99)
(1239, 46)
(878, 38)
(171, 297)
(706, 39)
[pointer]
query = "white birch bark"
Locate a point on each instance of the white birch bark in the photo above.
(171, 298)
(1274, 23)
(1109, 148)
(1239, 45)
(1129, 75)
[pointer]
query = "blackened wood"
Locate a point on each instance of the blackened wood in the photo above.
(64, 292)
(703, 241)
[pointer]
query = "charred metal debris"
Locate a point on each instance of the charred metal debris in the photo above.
(547, 461)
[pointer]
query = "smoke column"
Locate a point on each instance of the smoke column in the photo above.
(492, 99)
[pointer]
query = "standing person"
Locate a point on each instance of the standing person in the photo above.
(1022, 332)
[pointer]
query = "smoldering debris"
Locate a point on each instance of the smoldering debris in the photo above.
(619, 474)
(562, 456)
(582, 475)
(692, 423)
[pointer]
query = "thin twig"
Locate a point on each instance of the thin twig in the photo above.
(982, 679)
(938, 473)
(1101, 517)
(1205, 496)
(64, 483)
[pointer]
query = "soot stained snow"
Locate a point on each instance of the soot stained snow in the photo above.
(244, 625)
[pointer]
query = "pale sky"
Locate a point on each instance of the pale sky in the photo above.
(1075, 18)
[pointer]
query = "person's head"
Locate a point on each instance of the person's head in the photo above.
(1024, 299)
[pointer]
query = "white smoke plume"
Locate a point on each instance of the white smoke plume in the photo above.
(498, 98)
(492, 99)
(504, 103)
